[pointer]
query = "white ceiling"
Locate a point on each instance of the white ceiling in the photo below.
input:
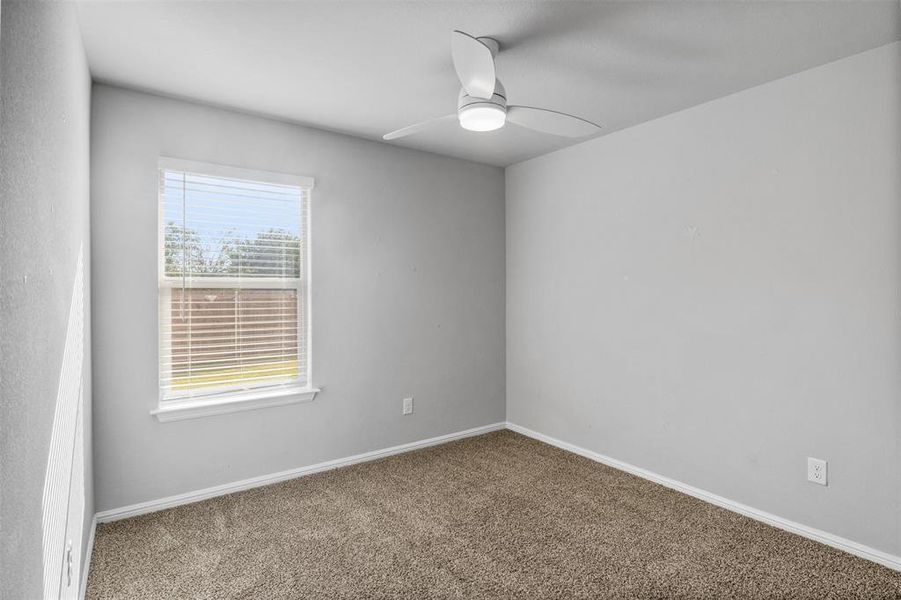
(367, 68)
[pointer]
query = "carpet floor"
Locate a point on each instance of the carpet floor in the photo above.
(494, 516)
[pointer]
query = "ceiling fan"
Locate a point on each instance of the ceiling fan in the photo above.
(482, 103)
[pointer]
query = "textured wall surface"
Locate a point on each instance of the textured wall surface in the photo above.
(44, 219)
(408, 298)
(716, 295)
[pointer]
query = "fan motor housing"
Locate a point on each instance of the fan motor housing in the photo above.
(498, 99)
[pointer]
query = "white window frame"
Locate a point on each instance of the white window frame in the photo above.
(213, 401)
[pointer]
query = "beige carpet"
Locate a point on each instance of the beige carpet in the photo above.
(497, 516)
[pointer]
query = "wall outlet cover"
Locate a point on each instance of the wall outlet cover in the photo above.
(408, 406)
(817, 471)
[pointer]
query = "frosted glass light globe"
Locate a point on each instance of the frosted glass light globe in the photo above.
(482, 117)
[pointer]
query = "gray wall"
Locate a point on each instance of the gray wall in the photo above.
(44, 174)
(408, 298)
(716, 295)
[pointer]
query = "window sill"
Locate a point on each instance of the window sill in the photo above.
(180, 410)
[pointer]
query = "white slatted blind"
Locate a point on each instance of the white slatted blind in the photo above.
(233, 294)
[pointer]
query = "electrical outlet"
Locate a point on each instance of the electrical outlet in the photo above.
(816, 471)
(408, 406)
(68, 563)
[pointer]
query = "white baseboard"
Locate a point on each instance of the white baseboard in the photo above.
(86, 561)
(851, 547)
(245, 484)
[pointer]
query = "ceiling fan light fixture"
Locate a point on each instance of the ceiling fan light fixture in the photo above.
(483, 116)
(482, 101)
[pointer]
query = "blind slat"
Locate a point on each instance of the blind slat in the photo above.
(177, 185)
(217, 341)
(207, 366)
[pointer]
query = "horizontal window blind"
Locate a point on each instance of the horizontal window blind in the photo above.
(233, 284)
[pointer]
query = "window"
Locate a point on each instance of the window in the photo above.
(233, 288)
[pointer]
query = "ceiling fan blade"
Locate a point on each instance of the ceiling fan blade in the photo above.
(474, 64)
(551, 121)
(411, 129)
